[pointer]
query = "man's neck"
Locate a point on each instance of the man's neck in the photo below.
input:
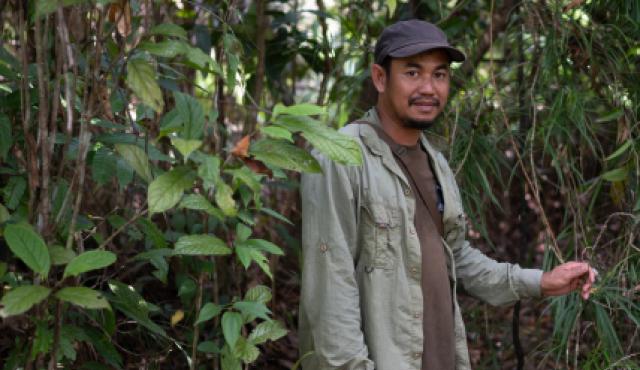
(396, 130)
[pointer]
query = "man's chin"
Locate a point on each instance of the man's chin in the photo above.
(418, 124)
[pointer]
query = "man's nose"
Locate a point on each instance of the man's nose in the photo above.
(426, 86)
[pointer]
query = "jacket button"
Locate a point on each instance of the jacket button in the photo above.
(407, 191)
(416, 315)
(417, 355)
(414, 270)
(323, 248)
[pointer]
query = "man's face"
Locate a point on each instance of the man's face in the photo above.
(415, 90)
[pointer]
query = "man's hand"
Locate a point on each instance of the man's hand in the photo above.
(568, 277)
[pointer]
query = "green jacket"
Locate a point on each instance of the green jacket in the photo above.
(361, 299)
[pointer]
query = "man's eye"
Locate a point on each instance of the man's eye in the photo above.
(412, 73)
(440, 75)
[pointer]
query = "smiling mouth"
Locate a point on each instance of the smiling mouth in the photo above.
(425, 104)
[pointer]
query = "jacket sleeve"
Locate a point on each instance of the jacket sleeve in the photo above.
(329, 291)
(482, 277)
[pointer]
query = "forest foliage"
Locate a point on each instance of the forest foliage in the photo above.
(149, 153)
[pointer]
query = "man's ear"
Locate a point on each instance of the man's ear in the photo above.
(379, 77)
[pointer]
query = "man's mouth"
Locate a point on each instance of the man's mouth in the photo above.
(425, 103)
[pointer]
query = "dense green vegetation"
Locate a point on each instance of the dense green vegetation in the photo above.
(149, 153)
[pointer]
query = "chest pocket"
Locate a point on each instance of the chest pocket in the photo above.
(381, 235)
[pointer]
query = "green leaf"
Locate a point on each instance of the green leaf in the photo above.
(43, 339)
(267, 330)
(231, 324)
(284, 155)
(13, 191)
(196, 245)
(83, 297)
(247, 177)
(153, 233)
(61, 255)
(208, 347)
(613, 115)
(27, 245)
(200, 203)
(186, 147)
(200, 59)
(208, 312)
(6, 139)
(619, 174)
(265, 246)
(165, 49)
(304, 109)
(168, 29)
(167, 189)
(253, 309)
(243, 232)
(275, 214)
(87, 261)
(244, 254)
(103, 165)
(142, 80)
(335, 145)
(623, 148)
(224, 199)
(191, 114)
(137, 159)
(245, 351)
(133, 305)
(277, 132)
(229, 360)
(258, 293)
(209, 171)
(4, 215)
(21, 299)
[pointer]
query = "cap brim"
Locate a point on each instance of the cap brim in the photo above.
(454, 54)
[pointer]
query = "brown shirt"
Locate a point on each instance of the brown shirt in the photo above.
(438, 327)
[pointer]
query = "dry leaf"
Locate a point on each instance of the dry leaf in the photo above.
(257, 167)
(242, 147)
(120, 13)
(177, 317)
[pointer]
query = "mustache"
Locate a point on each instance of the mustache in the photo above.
(423, 100)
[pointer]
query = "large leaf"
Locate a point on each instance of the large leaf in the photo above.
(619, 174)
(21, 299)
(224, 199)
(209, 171)
(253, 309)
(335, 145)
(195, 245)
(61, 255)
(167, 189)
(27, 245)
(265, 246)
(207, 312)
(103, 165)
(258, 293)
(231, 325)
(191, 114)
(267, 330)
(246, 351)
(87, 261)
(284, 155)
(83, 297)
(137, 159)
(142, 79)
(186, 147)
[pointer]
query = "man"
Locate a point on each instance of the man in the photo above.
(384, 243)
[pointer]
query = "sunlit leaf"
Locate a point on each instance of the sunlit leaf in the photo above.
(186, 147)
(267, 330)
(619, 174)
(224, 199)
(277, 132)
(168, 29)
(258, 293)
(194, 245)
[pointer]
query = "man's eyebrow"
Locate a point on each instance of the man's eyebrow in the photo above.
(413, 65)
(442, 66)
